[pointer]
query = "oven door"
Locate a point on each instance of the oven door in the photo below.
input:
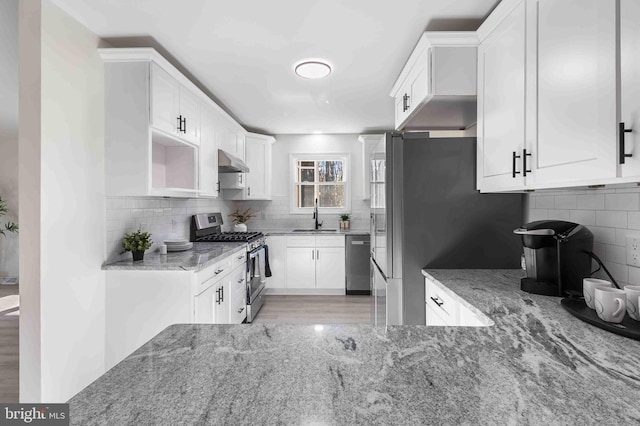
(255, 274)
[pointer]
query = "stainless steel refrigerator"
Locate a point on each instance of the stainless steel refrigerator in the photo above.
(426, 213)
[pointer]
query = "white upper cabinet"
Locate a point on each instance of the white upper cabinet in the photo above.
(162, 133)
(547, 95)
(256, 184)
(574, 132)
(501, 104)
(174, 108)
(436, 89)
(165, 94)
(209, 183)
(368, 142)
(629, 132)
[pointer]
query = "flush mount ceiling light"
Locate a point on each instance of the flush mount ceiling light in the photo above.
(312, 69)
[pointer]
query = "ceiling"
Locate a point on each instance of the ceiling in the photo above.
(243, 52)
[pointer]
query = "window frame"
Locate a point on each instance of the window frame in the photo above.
(345, 157)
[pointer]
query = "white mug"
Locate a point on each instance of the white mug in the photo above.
(610, 304)
(588, 287)
(633, 294)
(163, 249)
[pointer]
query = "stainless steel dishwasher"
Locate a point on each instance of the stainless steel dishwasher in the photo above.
(357, 263)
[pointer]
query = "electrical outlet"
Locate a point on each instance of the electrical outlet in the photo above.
(633, 251)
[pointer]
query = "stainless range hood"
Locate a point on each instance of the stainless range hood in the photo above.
(228, 163)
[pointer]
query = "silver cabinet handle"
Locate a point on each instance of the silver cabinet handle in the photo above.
(240, 280)
(240, 310)
(218, 271)
(437, 301)
(312, 254)
(522, 231)
(249, 191)
(241, 257)
(318, 254)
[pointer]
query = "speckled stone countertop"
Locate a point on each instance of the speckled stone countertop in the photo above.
(337, 232)
(536, 365)
(201, 256)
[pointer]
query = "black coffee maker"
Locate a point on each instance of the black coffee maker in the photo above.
(556, 255)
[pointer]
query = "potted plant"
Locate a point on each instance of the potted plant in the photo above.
(136, 242)
(240, 219)
(9, 226)
(345, 223)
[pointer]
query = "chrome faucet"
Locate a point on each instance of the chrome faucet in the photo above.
(315, 215)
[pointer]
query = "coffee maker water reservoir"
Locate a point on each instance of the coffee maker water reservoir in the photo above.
(557, 256)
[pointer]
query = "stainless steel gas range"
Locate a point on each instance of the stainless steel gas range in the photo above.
(207, 227)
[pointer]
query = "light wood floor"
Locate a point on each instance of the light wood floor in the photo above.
(9, 347)
(315, 310)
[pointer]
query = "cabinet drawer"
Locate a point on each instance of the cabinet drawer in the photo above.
(238, 258)
(441, 302)
(212, 274)
(238, 288)
(330, 241)
(301, 241)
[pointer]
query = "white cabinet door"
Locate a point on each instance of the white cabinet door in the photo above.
(223, 300)
(208, 185)
(204, 306)
(238, 295)
(241, 154)
(277, 261)
(190, 112)
(576, 91)
(432, 317)
(164, 100)
(501, 104)
(330, 268)
(257, 153)
(301, 267)
(630, 85)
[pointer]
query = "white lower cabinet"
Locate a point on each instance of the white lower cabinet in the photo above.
(140, 304)
(442, 308)
(315, 264)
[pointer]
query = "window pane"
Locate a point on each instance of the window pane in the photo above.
(306, 164)
(330, 171)
(306, 196)
(307, 175)
(331, 196)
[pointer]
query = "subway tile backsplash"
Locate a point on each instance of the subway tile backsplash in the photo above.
(164, 218)
(610, 213)
(275, 214)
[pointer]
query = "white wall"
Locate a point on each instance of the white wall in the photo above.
(276, 213)
(9, 131)
(63, 210)
(610, 213)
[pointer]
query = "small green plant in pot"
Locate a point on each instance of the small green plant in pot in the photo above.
(136, 242)
(9, 226)
(345, 223)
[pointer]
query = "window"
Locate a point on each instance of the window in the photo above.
(323, 177)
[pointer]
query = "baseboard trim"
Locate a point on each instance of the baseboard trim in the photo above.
(306, 291)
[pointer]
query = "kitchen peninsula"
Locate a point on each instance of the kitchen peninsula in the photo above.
(536, 365)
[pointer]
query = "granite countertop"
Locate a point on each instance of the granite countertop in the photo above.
(201, 256)
(289, 231)
(535, 365)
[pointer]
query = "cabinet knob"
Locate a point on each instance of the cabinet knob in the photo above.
(218, 271)
(240, 280)
(240, 310)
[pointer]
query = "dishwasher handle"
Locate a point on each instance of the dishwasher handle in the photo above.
(360, 243)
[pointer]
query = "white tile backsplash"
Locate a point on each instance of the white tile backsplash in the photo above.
(156, 216)
(610, 213)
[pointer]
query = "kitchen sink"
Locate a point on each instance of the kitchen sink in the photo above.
(315, 230)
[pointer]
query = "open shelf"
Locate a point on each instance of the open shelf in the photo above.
(174, 164)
